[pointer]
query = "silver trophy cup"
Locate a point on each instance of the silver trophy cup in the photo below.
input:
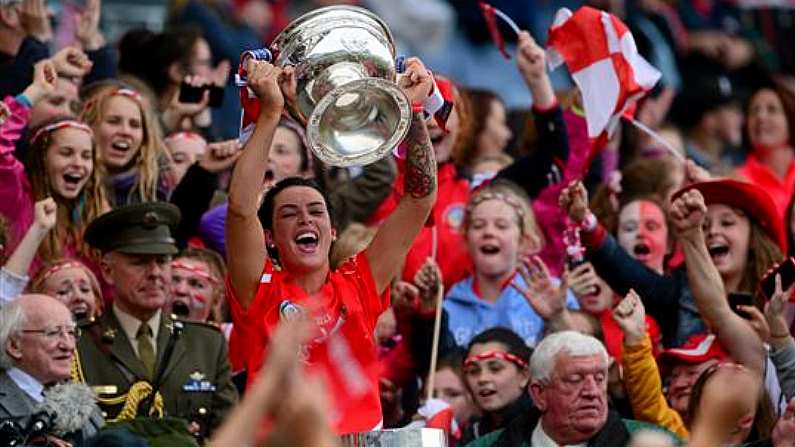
(345, 92)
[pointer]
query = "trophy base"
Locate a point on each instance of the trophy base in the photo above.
(401, 437)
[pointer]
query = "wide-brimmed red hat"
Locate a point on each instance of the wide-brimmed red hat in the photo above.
(699, 348)
(751, 199)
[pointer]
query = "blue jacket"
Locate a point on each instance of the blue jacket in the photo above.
(469, 315)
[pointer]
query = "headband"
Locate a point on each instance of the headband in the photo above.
(185, 136)
(130, 93)
(57, 268)
(195, 270)
(48, 129)
(488, 355)
(489, 195)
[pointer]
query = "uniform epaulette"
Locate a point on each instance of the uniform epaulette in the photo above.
(207, 324)
(87, 322)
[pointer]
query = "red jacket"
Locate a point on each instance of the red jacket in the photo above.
(447, 217)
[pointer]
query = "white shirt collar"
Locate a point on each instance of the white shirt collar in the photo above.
(27, 383)
(541, 439)
(130, 325)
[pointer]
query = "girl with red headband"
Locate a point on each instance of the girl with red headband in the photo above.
(130, 142)
(62, 164)
(72, 283)
(496, 373)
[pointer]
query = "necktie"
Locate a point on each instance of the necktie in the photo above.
(146, 350)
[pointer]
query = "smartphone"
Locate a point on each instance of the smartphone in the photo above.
(190, 94)
(787, 271)
(740, 299)
(216, 96)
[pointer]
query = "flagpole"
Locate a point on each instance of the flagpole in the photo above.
(657, 137)
(507, 20)
(437, 323)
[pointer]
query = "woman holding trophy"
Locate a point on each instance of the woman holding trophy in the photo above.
(279, 254)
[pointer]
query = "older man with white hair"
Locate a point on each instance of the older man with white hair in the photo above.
(569, 388)
(38, 336)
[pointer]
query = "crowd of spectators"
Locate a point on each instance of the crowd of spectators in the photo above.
(496, 280)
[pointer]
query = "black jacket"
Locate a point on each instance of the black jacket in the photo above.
(520, 431)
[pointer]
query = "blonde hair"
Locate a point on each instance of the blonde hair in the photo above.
(72, 215)
(514, 196)
(37, 285)
(148, 159)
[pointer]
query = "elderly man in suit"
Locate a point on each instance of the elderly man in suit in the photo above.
(139, 360)
(38, 338)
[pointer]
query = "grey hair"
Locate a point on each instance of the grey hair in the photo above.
(572, 343)
(12, 319)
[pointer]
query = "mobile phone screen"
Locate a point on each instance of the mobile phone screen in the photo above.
(740, 299)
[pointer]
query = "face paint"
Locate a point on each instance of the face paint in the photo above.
(643, 233)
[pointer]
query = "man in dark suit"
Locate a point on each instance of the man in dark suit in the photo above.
(140, 361)
(37, 336)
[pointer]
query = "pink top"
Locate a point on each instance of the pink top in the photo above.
(16, 199)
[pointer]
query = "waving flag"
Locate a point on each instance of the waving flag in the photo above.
(490, 15)
(603, 59)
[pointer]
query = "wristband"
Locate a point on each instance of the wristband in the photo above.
(417, 107)
(589, 223)
(780, 336)
(24, 100)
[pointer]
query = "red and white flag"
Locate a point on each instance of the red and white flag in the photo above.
(602, 57)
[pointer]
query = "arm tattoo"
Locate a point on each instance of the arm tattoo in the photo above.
(420, 180)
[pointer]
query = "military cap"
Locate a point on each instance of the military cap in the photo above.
(144, 229)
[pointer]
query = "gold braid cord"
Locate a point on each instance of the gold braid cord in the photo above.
(138, 392)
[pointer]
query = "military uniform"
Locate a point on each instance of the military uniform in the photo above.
(191, 370)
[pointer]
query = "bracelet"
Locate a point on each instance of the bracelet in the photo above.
(417, 107)
(589, 223)
(787, 335)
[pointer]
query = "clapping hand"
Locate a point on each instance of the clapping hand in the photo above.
(548, 300)
(35, 20)
(87, 26)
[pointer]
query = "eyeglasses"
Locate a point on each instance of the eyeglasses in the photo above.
(55, 333)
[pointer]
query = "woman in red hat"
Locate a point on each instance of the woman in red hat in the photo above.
(770, 133)
(744, 236)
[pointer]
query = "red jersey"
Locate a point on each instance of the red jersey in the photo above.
(447, 217)
(344, 351)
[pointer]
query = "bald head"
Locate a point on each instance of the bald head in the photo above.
(37, 336)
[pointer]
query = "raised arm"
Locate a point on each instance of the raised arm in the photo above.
(641, 375)
(613, 264)
(394, 238)
(544, 166)
(244, 235)
(735, 334)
